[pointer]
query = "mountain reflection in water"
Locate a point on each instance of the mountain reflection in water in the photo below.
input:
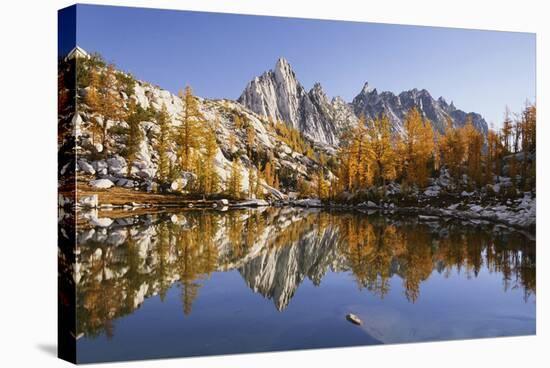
(274, 250)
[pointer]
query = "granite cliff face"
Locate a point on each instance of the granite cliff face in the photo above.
(279, 95)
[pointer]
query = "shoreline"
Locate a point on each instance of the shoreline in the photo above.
(520, 216)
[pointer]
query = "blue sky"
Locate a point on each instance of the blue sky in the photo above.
(217, 54)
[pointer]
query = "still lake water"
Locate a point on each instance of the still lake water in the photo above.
(201, 282)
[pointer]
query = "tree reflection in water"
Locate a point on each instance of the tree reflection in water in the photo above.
(275, 250)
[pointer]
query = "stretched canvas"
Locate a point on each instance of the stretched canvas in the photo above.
(236, 183)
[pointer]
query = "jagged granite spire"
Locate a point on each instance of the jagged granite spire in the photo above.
(278, 95)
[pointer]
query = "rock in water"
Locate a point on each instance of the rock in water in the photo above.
(354, 319)
(309, 203)
(222, 202)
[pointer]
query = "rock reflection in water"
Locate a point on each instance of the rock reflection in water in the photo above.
(275, 250)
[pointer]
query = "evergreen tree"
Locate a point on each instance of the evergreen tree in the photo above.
(258, 189)
(474, 145)
(135, 135)
(211, 177)
(453, 149)
(276, 181)
(104, 101)
(189, 131)
(232, 141)
(380, 151)
(506, 132)
(355, 172)
(251, 183)
(488, 158)
(237, 120)
(418, 146)
(234, 181)
(269, 173)
(250, 138)
(493, 156)
(163, 144)
(321, 186)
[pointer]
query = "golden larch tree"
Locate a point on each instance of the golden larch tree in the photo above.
(234, 181)
(189, 132)
(418, 147)
(163, 144)
(104, 101)
(381, 153)
(452, 149)
(474, 144)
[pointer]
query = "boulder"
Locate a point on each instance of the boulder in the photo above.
(432, 191)
(274, 192)
(101, 183)
(182, 182)
(287, 149)
(86, 167)
(125, 183)
(100, 165)
(221, 203)
(354, 319)
(117, 165)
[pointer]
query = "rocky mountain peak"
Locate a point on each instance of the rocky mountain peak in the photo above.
(284, 74)
(279, 95)
(318, 93)
(367, 89)
(283, 65)
(397, 106)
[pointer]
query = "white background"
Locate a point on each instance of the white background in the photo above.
(28, 264)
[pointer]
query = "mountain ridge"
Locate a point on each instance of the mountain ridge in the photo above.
(279, 95)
